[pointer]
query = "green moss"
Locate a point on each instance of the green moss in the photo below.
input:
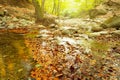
(99, 49)
(100, 45)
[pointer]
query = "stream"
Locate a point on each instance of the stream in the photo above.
(15, 59)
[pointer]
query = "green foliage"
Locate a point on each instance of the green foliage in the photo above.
(70, 8)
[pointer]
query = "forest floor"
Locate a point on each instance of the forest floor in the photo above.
(71, 50)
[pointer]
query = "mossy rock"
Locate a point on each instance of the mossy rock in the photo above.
(113, 22)
(99, 48)
(93, 13)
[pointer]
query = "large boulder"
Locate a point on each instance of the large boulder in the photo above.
(93, 13)
(113, 22)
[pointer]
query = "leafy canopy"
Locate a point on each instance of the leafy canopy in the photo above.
(71, 8)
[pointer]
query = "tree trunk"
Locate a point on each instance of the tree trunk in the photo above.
(54, 7)
(41, 18)
(39, 9)
(58, 8)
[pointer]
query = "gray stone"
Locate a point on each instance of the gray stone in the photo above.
(11, 26)
(15, 19)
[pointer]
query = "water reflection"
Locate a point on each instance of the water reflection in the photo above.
(15, 59)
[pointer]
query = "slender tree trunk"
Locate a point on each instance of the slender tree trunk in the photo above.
(58, 8)
(39, 9)
(54, 6)
(42, 6)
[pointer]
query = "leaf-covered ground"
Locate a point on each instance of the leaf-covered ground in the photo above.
(68, 51)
